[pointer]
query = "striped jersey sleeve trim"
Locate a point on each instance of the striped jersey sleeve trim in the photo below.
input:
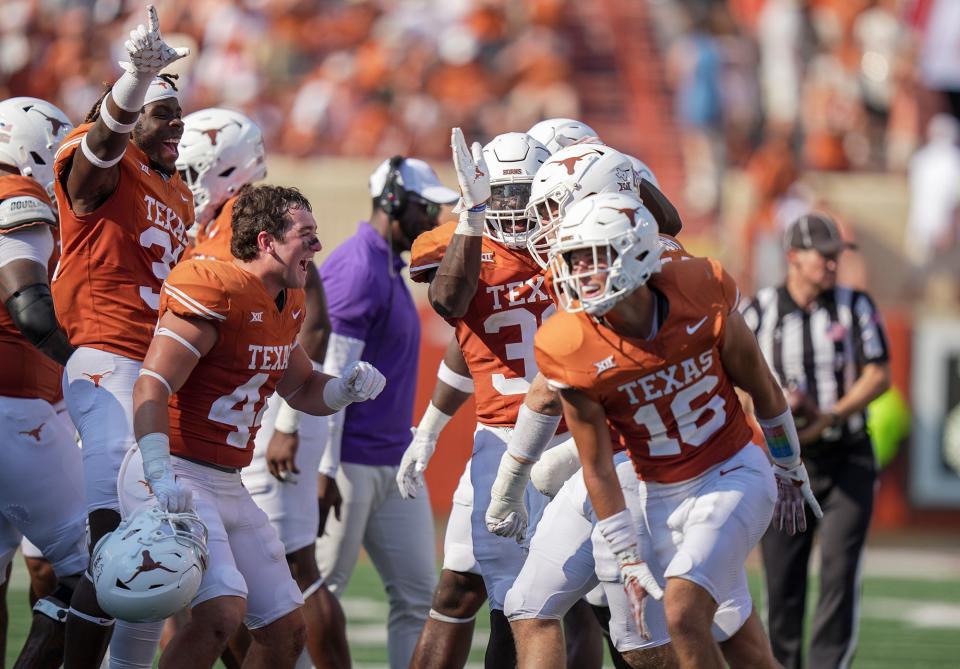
(191, 303)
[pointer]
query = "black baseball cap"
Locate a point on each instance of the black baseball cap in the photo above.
(819, 232)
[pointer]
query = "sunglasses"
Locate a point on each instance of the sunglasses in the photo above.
(432, 208)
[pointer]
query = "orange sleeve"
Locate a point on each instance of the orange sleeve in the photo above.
(194, 290)
(428, 250)
(728, 287)
(551, 349)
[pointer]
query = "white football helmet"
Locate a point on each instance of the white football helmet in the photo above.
(512, 160)
(220, 152)
(151, 566)
(559, 133)
(622, 236)
(30, 132)
(642, 171)
(570, 175)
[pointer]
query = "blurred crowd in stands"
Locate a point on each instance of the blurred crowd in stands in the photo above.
(320, 76)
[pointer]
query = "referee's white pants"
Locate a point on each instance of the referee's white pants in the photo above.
(398, 535)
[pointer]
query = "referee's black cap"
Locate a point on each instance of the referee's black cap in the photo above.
(817, 231)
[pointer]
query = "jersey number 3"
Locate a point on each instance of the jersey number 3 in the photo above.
(526, 320)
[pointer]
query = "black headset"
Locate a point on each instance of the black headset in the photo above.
(393, 198)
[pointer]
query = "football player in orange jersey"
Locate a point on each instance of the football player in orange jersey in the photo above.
(655, 350)
(226, 338)
(124, 213)
(222, 151)
(40, 452)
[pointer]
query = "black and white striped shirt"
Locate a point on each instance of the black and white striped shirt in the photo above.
(821, 350)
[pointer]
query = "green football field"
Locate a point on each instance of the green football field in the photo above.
(907, 623)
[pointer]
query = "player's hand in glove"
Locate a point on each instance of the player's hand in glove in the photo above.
(506, 514)
(414, 462)
(472, 173)
(361, 381)
(147, 52)
(793, 489)
(639, 582)
(172, 495)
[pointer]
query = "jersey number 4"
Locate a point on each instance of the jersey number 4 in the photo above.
(686, 418)
(238, 410)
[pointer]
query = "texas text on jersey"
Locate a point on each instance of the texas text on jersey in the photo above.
(24, 370)
(213, 240)
(669, 396)
(215, 416)
(106, 296)
(513, 299)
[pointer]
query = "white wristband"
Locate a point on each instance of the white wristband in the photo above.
(433, 420)
(471, 222)
(783, 443)
(130, 90)
(155, 450)
(619, 531)
(114, 124)
(287, 419)
(457, 381)
(335, 394)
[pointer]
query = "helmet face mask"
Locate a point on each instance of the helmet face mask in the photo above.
(512, 160)
(605, 248)
(220, 152)
(570, 175)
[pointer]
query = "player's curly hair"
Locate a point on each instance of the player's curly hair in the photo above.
(262, 208)
(94, 112)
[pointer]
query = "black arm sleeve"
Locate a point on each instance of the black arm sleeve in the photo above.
(31, 309)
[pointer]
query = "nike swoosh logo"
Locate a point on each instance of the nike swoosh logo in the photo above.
(724, 473)
(296, 314)
(693, 328)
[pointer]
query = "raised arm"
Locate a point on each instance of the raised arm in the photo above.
(455, 280)
(94, 173)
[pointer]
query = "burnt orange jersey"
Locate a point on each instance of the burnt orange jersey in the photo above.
(213, 241)
(513, 299)
(215, 416)
(668, 397)
(24, 370)
(114, 259)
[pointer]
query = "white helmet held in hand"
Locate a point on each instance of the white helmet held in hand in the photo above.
(559, 133)
(220, 152)
(151, 566)
(622, 237)
(570, 175)
(512, 160)
(31, 129)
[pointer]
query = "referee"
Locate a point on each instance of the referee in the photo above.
(826, 345)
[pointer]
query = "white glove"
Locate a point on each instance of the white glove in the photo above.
(472, 173)
(172, 495)
(146, 49)
(554, 468)
(793, 487)
(414, 462)
(639, 582)
(361, 381)
(506, 515)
